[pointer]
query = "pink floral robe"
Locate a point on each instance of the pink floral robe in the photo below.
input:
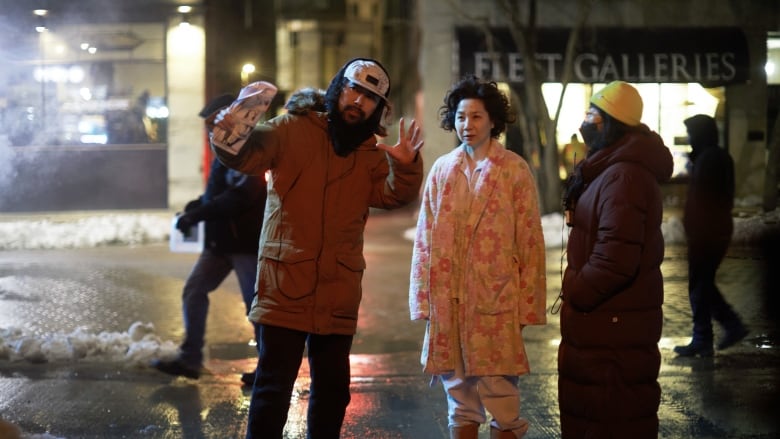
(481, 272)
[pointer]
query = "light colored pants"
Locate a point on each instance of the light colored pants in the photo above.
(469, 397)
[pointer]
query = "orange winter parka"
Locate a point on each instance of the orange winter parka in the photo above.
(311, 247)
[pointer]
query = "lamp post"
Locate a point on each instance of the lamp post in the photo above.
(246, 70)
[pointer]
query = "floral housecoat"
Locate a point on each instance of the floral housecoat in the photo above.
(501, 282)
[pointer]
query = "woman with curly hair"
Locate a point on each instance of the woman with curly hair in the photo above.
(478, 265)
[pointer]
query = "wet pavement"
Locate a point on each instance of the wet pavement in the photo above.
(732, 395)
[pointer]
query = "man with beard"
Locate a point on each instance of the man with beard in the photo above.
(326, 169)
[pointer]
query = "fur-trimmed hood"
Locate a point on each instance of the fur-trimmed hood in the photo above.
(305, 100)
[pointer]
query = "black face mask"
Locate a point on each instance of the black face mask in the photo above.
(592, 136)
(590, 133)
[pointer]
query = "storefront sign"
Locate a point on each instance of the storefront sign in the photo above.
(711, 56)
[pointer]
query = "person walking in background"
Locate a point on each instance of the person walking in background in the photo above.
(612, 290)
(708, 226)
(326, 171)
(232, 207)
(573, 152)
(478, 265)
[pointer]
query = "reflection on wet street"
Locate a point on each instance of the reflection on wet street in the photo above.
(732, 395)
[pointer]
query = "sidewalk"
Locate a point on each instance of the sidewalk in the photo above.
(732, 395)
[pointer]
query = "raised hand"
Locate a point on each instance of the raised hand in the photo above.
(409, 143)
(232, 125)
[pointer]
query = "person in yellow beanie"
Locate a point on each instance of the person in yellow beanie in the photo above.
(612, 290)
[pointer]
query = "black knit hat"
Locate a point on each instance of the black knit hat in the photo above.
(216, 104)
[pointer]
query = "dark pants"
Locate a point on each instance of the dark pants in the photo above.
(281, 351)
(209, 272)
(707, 302)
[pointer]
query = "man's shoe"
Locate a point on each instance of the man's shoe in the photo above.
(694, 349)
(732, 337)
(177, 368)
(248, 378)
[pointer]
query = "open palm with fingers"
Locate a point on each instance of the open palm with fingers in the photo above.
(409, 143)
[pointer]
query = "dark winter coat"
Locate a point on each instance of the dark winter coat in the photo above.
(710, 196)
(611, 316)
(232, 207)
(311, 247)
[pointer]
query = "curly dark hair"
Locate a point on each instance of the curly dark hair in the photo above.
(471, 87)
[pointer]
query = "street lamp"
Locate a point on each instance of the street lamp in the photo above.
(184, 10)
(246, 70)
(41, 14)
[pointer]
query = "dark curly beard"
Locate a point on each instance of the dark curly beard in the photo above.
(347, 137)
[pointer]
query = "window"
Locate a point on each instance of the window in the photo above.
(87, 84)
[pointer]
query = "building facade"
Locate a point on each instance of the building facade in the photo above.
(685, 58)
(99, 98)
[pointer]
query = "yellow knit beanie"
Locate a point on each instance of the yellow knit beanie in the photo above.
(621, 101)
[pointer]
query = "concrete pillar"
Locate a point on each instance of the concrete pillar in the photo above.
(186, 96)
(747, 136)
(437, 75)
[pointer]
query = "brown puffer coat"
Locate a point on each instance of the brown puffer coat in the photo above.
(611, 317)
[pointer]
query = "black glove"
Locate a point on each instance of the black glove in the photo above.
(185, 223)
(192, 205)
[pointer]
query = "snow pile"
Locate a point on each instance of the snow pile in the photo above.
(749, 229)
(752, 230)
(673, 232)
(90, 231)
(138, 346)
(556, 234)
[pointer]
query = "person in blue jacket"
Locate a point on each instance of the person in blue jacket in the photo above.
(232, 207)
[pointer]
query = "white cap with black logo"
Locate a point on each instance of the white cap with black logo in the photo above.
(368, 75)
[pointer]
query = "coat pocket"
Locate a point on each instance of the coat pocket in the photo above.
(345, 304)
(289, 269)
(353, 261)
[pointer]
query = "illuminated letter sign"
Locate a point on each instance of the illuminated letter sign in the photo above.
(710, 56)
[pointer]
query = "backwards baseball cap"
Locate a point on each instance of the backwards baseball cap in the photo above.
(369, 75)
(621, 101)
